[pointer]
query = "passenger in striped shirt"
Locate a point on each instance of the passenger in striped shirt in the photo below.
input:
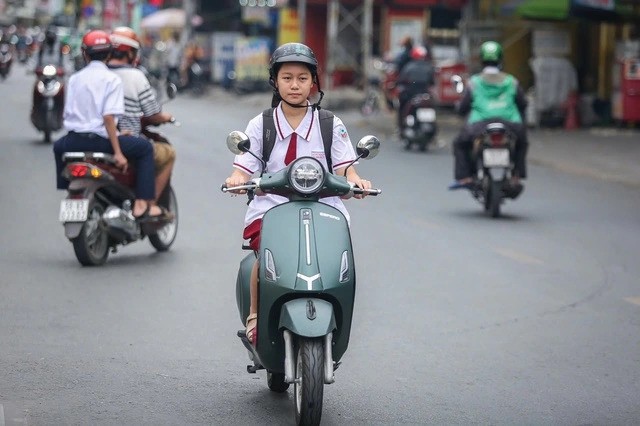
(140, 104)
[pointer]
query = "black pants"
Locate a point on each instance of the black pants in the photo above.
(404, 97)
(138, 150)
(463, 143)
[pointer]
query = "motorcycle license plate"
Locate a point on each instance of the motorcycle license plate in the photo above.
(426, 114)
(495, 157)
(74, 210)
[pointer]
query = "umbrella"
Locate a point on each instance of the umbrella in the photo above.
(166, 18)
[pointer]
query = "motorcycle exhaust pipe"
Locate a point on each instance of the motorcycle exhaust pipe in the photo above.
(289, 375)
(328, 359)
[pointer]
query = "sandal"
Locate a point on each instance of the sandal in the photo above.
(145, 217)
(253, 337)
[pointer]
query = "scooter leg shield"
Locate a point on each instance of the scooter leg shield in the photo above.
(308, 317)
(243, 297)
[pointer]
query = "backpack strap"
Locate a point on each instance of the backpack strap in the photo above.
(326, 130)
(269, 134)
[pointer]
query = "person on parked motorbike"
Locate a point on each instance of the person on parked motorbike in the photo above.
(141, 107)
(416, 77)
(174, 58)
(193, 54)
(94, 102)
(490, 96)
(293, 71)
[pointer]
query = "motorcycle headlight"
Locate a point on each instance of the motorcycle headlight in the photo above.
(49, 71)
(306, 175)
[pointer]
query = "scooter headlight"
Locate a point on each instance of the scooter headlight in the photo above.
(49, 71)
(306, 175)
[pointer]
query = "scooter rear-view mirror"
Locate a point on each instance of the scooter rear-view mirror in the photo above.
(238, 142)
(368, 147)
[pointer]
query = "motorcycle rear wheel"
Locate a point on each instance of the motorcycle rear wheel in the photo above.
(91, 246)
(48, 124)
(166, 235)
(309, 385)
(495, 199)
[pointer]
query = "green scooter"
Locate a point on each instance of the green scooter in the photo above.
(307, 278)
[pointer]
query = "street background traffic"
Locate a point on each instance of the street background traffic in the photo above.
(459, 318)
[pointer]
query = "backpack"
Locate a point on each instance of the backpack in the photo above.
(269, 134)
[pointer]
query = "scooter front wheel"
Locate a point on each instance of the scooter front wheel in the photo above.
(276, 382)
(309, 384)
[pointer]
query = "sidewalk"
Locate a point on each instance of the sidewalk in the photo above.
(612, 154)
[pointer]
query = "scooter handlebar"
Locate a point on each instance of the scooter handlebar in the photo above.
(372, 191)
(249, 186)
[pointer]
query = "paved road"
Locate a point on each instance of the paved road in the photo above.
(459, 319)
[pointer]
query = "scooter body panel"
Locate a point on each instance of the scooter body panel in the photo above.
(307, 317)
(309, 245)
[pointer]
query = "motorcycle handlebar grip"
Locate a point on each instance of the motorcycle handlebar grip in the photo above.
(372, 191)
(249, 186)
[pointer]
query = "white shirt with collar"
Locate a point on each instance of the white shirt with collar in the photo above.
(92, 92)
(309, 145)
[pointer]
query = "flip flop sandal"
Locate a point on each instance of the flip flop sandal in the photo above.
(146, 217)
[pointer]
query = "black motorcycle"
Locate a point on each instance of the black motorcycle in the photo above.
(494, 153)
(48, 100)
(97, 213)
(6, 59)
(418, 121)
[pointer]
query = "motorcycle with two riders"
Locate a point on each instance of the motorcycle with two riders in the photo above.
(97, 213)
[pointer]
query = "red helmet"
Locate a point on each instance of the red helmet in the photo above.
(124, 39)
(96, 41)
(419, 53)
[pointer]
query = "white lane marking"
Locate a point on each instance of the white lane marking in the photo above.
(1, 415)
(519, 257)
(634, 300)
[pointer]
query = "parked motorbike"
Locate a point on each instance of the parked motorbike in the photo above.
(48, 100)
(418, 123)
(494, 153)
(196, 79)
(97, 213)
(390, 86)
(6, 59)
(307, 277)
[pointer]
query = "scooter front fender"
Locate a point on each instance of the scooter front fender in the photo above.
(308, 317)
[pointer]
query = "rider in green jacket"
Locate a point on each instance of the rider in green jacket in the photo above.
(490, 96)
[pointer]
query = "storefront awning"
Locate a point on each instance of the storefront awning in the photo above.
(543, 9)
(559, 10)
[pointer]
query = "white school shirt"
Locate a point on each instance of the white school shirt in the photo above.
(92, 93)
(309, 145)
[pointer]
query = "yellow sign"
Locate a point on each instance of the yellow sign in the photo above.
(289, 28)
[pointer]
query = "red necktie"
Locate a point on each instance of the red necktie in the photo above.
(291, 150)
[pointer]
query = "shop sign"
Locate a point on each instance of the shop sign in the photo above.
(252, 59)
